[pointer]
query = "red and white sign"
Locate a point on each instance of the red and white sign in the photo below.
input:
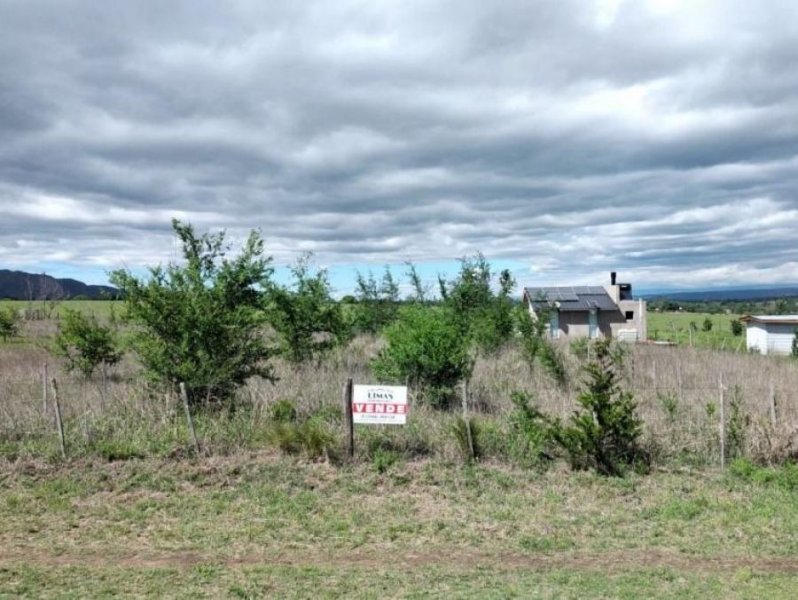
(379, 404)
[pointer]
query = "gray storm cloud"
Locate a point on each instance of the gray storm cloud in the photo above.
(659, 138)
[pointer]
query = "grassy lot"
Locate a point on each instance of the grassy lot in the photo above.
(687, 328)
(99, 308)
(258, 525)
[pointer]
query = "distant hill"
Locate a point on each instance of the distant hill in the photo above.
(18, 285)
(727, 294)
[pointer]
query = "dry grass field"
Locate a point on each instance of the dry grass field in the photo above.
(133, 512)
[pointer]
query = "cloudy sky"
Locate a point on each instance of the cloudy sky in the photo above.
(563, 139)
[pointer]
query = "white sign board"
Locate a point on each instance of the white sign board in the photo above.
(379, 404)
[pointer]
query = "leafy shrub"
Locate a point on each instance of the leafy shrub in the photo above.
(307, 320)
(84, 343)
(707, 324)
(530, 436)
(201, 323)
(311, 436)
(283, 411)
(536, 346)
(482, 316)
(8, 324)
(670, 404)
(784, 476)
(383, 459)
(604, 434)
(426, 350)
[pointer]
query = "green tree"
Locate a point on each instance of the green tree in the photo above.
(306, 318)
(604, 433)
(707, 324)
(84, 343)
(536, 345)
(482, 316)
(420, 290)
(8, 324)
(377, 304)
(795, 343)
(425, 349)
(201, 322)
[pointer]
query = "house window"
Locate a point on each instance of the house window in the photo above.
(554, 325)
(630, 315)
(593, 324)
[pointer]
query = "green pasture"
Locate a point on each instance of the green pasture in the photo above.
(687, 329)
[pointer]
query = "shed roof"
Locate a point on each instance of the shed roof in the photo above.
(774, 319)
(571, 299)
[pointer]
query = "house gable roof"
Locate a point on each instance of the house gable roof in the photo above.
(570, 299)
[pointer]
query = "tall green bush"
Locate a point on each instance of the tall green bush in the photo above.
(425, 349)
(483, 316)
(201, 322)
(377, 304)
(8, 324)
(306, 318)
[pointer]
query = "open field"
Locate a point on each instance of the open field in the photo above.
(134, 512)
(98, 308)
(257, 525)
(686, 329)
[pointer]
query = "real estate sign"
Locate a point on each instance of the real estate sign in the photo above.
(379, 404)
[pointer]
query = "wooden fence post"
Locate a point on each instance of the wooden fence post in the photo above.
(59, 423)
(45, 387)
(349, 418)
(467, 421)
(722, 412)
(184, 395)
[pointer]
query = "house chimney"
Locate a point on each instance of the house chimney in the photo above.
(612, 278)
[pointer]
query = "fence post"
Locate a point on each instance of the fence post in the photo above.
(184, 395)
(45, 385)
(349, 419)
(722, 412)
(772, 398)
(466, 420)
(59, 423)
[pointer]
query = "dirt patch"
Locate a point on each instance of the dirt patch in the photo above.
(610, 562)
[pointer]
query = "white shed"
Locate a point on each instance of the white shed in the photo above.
(770, 334)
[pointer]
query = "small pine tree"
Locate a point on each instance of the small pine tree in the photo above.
(604, 434)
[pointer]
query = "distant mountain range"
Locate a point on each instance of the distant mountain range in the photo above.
(18, 285)
(742, 294)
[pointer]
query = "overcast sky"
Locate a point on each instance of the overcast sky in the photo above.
(563, 139)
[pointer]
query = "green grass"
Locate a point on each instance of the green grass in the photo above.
(684, 328)
(257, 525)
(98, 308)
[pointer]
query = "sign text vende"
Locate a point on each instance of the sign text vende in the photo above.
(379, 404)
